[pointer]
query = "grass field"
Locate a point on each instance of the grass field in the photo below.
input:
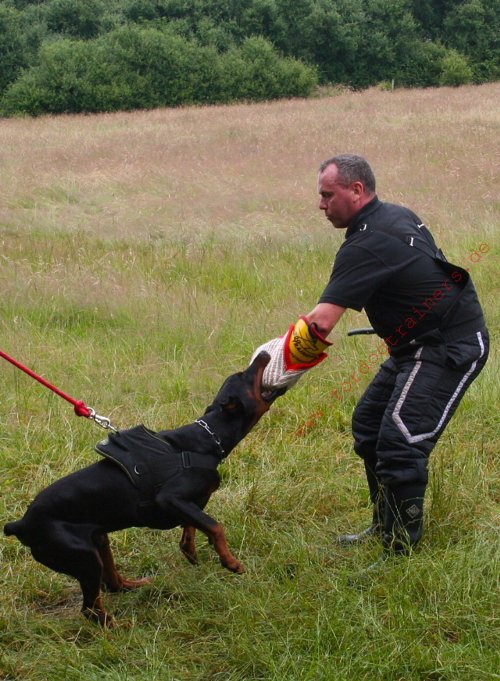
(143, 257)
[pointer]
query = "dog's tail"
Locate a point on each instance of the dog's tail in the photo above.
(24, 530)
(14, 528)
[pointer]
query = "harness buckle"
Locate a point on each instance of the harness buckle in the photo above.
(186, 460)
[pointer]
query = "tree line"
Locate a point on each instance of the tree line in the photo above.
(64, 56)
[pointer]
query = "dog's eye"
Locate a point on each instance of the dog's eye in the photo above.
(231, 403)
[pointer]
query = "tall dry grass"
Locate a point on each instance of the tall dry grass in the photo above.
(247, 170)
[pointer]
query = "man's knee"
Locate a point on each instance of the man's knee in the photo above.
(364, 433)
(365, 449)
(394, 469)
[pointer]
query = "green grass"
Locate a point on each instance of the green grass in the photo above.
(145, 330)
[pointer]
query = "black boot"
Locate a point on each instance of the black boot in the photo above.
(402, 529)
(360, 537)
(377, 498)
(404, 514)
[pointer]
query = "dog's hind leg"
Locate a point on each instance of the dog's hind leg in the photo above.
(111, 578)
(69, 548)
(92, 607)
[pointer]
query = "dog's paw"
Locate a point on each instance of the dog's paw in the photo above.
(234, 566)
(189, 554)
(99, 616)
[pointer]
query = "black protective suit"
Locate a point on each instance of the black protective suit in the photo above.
(428, 313)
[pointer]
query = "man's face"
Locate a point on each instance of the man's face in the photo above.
(339, 202)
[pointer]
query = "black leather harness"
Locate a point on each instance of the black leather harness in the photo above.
(147, 459)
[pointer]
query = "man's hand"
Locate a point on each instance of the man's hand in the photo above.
(293, 354)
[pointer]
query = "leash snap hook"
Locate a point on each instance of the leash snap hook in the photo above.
(102, 421)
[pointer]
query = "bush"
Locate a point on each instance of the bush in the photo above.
(421, 65)
(257, 72)
(162, 61)
(55, 86)
(134, 67)
(455, 70)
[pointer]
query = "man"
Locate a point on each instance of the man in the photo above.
(425, 309)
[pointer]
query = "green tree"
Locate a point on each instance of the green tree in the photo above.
(431, 14)
(318, 32)
(389, 37)
(75, 18)
(336, 34)
(473, 29)
(13, 51)
(141, 10)
(260, 18)
(34, 29)
(145, 10)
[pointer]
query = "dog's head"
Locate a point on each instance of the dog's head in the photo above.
(242, 395)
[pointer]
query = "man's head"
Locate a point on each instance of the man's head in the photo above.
(346, 183)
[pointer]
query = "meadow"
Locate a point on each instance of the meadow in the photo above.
(144, 256)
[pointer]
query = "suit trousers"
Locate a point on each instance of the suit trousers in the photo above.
(407, 406)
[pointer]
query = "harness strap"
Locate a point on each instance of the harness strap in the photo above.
(423, 241)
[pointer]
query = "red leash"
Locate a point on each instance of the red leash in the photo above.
(80, 407)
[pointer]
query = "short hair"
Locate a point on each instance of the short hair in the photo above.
(352, 168)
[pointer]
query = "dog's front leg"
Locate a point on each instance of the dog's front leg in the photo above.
(187, 544)
(111, 578)
(216, 536)
(193, 516)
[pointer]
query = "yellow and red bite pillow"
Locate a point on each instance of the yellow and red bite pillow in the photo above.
(301, 349)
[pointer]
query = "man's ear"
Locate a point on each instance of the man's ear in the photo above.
(358, 188)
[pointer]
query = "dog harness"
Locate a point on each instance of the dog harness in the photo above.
(147, 459)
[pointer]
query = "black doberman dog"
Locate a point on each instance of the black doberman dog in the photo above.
(158, 480)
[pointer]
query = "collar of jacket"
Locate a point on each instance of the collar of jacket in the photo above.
(367, 210)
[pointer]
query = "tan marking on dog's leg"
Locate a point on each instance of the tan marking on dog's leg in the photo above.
(220, 545)
(187, 544)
